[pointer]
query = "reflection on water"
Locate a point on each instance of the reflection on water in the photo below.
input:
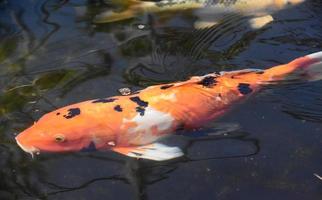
(51, 54)
(176, 54)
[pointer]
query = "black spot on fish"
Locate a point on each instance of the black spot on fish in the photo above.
(244, 88)
(58, 113)
(260, 72)
(118, 108)
(164, 87)
(89, 148)
(208, 81)
(137, 154)
(72, 113)
(140, 102)
(108, 100)
(140, 110)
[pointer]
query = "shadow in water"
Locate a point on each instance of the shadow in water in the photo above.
(140, 174)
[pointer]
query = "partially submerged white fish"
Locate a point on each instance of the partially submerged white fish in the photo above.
(133, 8)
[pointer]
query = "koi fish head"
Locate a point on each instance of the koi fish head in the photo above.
(63, 130)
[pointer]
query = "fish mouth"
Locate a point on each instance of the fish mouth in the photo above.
(32, 150)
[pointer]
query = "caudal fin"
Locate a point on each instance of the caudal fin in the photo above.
(314, 70)
(308, 68)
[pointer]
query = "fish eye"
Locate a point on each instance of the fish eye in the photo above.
(59, 138)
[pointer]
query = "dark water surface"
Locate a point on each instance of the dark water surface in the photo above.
(51, 55)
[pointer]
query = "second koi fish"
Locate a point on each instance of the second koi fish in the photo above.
(133, 8)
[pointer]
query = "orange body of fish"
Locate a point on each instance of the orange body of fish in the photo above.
(133, 124)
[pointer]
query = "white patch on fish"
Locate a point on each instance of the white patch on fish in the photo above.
(145, 124)
(152, 117)
(169, 97)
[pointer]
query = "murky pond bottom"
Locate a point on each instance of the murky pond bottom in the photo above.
(52, 54)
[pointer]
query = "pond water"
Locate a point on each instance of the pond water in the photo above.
(52, 54)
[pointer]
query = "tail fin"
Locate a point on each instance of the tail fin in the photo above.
(307, 68)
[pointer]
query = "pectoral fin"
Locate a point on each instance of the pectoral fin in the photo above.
(154, 151)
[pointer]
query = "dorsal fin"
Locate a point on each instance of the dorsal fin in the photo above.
(241, 72)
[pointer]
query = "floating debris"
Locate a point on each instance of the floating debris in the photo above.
(141, 26)
(125, 91)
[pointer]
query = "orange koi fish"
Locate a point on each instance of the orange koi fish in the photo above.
(133, 125)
